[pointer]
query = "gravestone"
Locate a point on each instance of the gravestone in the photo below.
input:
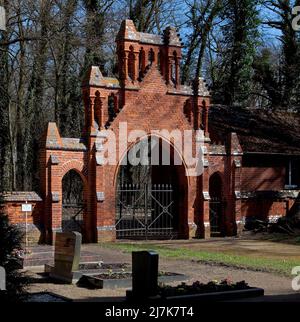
(66, 256)
(144, 274)
(2, 19)
(2, 279)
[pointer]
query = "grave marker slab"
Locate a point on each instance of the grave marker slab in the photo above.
(66, 256)
(2, 279)
(2, 19)
(144, 274)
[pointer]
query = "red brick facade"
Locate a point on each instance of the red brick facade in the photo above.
(12, 207)
(262, 178)
(148, 96)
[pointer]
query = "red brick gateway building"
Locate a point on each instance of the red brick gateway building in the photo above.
(249, 167)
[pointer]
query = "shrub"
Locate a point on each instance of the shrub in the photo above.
(10, 246)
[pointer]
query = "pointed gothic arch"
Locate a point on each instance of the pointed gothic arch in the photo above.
(152, 200)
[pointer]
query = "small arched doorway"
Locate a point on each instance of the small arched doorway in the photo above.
(151, 198)
(73, 204)
(216, 206)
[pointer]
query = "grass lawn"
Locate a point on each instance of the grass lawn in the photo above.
(279, 266)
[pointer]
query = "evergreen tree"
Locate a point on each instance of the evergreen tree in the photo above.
(290, 54)
(10, 243)
(286, 79)
(239, 41)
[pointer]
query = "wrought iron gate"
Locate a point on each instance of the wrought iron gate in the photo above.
(215, 217)
(145, 211)
(72, 217)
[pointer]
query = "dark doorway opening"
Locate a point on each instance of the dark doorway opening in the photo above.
(216, 206)
(152, 198)
(73, 205)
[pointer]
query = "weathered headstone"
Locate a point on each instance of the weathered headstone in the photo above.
(66, 256)
(2, 19)
(144, 274)
(2, 279)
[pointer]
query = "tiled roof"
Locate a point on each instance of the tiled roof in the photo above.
(53, 136)
(73, 144)
(128, 32)
(21, 196)
(258, 130)
(111, 82)
(188, 90)
(94, 77)
(151, 39)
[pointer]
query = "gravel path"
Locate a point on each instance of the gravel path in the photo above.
(272, 283)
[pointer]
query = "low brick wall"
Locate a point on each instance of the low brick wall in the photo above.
(12, 207)
(263, 209)
(269, 205)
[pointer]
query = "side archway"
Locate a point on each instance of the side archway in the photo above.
(73, 203)
(216, 205)
(74, 194)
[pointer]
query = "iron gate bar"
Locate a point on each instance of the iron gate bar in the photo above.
(145, 210)
(163, 212)
(132, 215)
(215, 215)
(68, 225)
(130, 190)
(132, 207)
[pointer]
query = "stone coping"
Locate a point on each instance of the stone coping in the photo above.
(267, 194)
(20, 196)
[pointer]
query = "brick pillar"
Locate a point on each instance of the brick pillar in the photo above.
(105, 199)
(198, 117)
(192, 221)
(136, 66)
(206, 200)
(86, 102)
(116, 104)
(237, 201)
(91, 195)
(205, 118)
(126, 54)
(143, 62)
(177, 73)
(48, 210)
(163, 63)
(92, 110)
(169, 69)
(206, 219)
(55, 202)
(100, 111)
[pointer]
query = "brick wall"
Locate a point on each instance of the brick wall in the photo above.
(148, 109)
(263, 209)
(263, 178)
(35, 226)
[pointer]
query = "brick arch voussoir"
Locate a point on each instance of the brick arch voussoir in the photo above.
(77, 166)
(132, 144)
